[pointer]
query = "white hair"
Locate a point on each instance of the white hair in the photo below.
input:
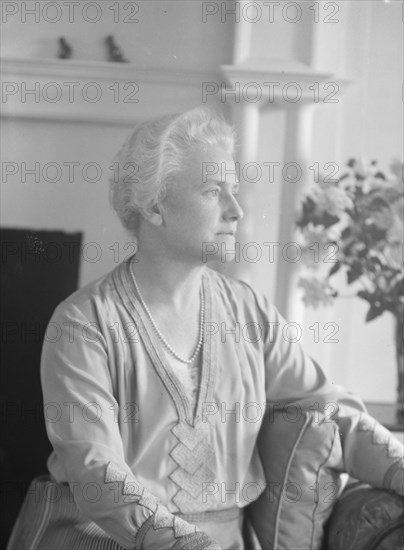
(155, 152)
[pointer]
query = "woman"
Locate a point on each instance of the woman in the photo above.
(144, 390)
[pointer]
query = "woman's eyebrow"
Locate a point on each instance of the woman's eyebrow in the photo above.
(220, 182)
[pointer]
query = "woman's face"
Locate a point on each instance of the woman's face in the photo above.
(200, 210)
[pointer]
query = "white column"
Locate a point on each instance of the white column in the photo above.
(246, 119)
(298, 145)
(242, 37)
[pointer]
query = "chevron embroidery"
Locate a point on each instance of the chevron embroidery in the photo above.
(186, 458)
(194, 456)
(381, 436)
(130, 486)
(162, 518)
(191, 435)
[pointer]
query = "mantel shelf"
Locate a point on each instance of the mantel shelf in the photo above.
(281, 74)
(101, 70)
(96, 91)
(122, 93)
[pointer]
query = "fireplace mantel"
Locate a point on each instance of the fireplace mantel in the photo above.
(96, 92)
(277, 82)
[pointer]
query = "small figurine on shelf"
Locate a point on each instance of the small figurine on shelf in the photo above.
(65, 50)
(114, 51)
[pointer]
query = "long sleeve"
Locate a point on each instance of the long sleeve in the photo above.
(296, 383)
(81, 420)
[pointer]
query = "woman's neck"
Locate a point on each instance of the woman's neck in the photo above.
(164, 281)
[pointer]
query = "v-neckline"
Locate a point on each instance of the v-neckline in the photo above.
(127, 290)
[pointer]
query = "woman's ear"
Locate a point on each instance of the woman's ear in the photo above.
(154, 214)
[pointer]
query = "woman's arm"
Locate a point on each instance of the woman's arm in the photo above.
(87, 441)
(370, 452)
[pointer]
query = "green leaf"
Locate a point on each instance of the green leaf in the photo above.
(377, 203)
(327, 219)
(362, 253)
(375, 233)
(345, 233)
(354, 273)
(307, 214)
(373, 313)
(366, 295)
(336, 267)
(375, 260)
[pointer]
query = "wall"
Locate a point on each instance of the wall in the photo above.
(169, 38)
(167, 34)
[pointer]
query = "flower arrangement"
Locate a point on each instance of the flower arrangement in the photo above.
(354, 223)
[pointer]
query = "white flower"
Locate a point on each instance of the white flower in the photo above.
(331, 200)
(394, 255)
(397, 168)
(373, 184)
(361, 168)
(316, 245)
(316, 292)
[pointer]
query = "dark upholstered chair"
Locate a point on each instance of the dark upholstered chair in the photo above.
(39, 269)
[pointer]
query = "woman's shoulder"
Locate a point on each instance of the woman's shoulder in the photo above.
(228, 283)
(239, 291)
(94, 296)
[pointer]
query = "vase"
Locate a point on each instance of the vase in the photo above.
(399, 342)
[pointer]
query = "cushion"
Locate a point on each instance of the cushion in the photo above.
(300, 453)
(366, 518)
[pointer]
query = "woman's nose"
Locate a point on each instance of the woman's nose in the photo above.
(233, 210)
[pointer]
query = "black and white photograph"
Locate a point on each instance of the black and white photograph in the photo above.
(202, 275)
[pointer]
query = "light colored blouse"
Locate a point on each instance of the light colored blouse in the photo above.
(137, 456)
(189, 377)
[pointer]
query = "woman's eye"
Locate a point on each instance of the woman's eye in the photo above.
(213, 192)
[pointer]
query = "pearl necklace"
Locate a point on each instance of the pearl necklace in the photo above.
(170, 349)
